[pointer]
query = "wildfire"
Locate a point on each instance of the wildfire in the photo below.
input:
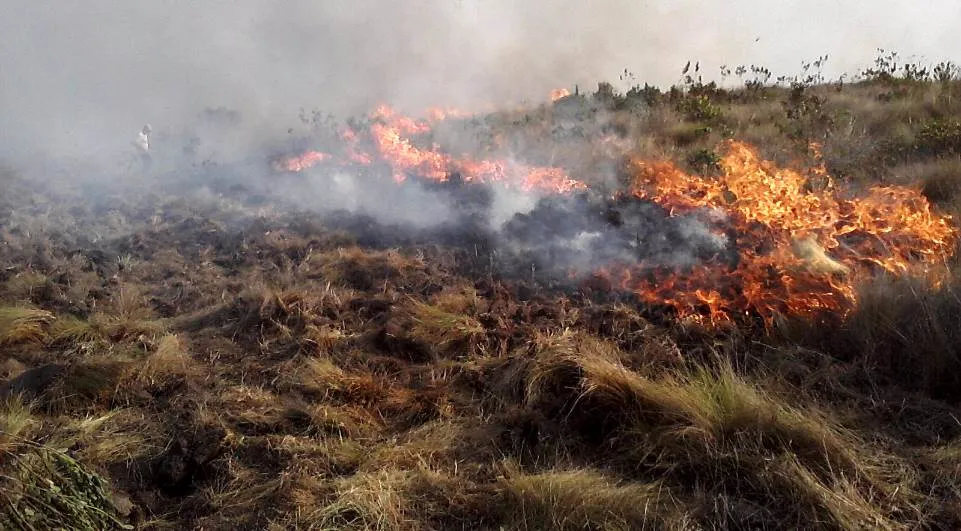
(801, 250)
(557, 94)
(802, 244)
(300, 162)
(393, 137)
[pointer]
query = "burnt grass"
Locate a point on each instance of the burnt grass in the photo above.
(230, 361)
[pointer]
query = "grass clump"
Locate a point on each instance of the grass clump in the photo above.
(443, 330)
(370, 501)
(585, 499)
(47, 489)
(711, 427)
(73, 330)
(167, 362)
(905, 330)
(15, 420)
(23, 324)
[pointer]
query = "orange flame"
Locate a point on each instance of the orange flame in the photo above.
(300, 162)
(801, 250)
(802, 244)
(393, 137)
(557, 94)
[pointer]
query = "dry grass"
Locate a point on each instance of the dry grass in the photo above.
(86, 387)
(127, 315)
(718, 427)
(23, 324)
(312, 383)
(371, 501)
(905, 330)
(168, 361)
(586, 499)
(16, 419)
(323, 339)
(443, 331)
(70, 330)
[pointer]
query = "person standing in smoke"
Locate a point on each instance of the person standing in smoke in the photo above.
(143, 147)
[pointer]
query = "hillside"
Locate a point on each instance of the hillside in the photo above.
(690, 309)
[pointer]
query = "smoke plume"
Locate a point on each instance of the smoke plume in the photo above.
(79, 79)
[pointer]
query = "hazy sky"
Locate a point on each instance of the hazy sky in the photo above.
(84, 76)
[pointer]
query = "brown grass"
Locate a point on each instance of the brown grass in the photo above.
(23, 324)
(276, 375)
(720, 428)
(443, 331)
(586, 499)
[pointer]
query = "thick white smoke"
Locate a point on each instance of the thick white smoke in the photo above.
(81, 78)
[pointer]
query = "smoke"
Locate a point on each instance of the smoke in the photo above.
(79, 79)
(224, 83)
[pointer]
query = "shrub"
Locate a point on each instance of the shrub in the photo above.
(939, 136)
(699, 108)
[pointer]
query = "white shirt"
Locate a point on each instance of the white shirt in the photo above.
(143, 141)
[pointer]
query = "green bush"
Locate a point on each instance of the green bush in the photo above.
(699, 108)
(939, 136)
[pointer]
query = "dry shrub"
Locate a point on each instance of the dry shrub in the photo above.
(28, 285)
(47, 489)
(940, 179)
(23, 324)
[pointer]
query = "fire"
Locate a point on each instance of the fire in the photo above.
(802, 244)
(557, 94)
(802, 250)
(394, 139)
(301, 162)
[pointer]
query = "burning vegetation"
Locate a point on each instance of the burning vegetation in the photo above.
(695, 309)
(765, 241)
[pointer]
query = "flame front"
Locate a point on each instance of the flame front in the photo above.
(560, 93)
(802, 245)
(300, 162)
(392, 136)
(802, 249)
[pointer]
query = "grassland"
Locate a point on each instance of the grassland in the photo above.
(166, 366)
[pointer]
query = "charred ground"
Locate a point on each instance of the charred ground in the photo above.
(215, 355)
